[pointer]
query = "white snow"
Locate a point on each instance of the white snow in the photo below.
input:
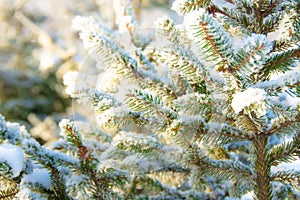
(13, 155)
(252, 98)
(294, 165)
(40, 176)
(190, 20)
(248, 196)
(289, 99)
(288, 78)
(84, 23)
(178, 6)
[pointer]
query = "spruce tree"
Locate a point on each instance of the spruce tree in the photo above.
(204, 110)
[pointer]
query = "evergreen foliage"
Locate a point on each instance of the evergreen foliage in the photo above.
(217, 108)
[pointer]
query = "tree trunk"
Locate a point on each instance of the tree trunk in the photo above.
(262, 168)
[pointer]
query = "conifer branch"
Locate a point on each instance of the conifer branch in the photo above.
(137, 143)
(223, 169)
(282, 45)
(168, 28)
(51, 161)
(59, 186)
(290, 79)
(149, 105)
(246, 59)
(213, 40)
(283, 125)
(240, 20)
(194, 103)
(212, 9)
(247, 123)
(210, 40)
(270, 8)
(163, 91)
(99, 182)
(8, 194)
(279, 62)
(227, 131)
(9, 187)
(285, 152)
(184, 7)
(289, 177)
(190, 68)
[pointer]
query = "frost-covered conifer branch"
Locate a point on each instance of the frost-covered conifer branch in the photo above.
(184, 63)
(194, 104)
(89, 24)
(167, 28)
(137, 143)
(285, 152)
(239, 20)
(114, 56)
(149, 184)
(251, 113)
(9, 193)
(163, 91)
(187, 70)
(212, 39)
(226, 170)
(54, 162)
(290, 177)
(271, 7)
(45, 156)
(282, 45)
(9, 184)
(5, 169)
(227, 130)
(99, 101)
(110, 53)
(279, 62)
(143, 61)
(150, 106)
(186, 6)
(100, 177)
(250, 57)
(277, 127)
(127, 22)
(291, 79)
(73, 136)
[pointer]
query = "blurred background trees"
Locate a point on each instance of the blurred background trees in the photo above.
(38, 46)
